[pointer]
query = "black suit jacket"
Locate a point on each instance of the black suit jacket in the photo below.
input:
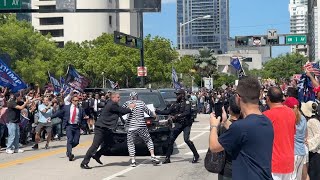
(64, 114)
(110, 115)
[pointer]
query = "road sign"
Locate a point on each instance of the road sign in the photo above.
(272, 34)
(142, 71)
(10, 4)
(296, 39)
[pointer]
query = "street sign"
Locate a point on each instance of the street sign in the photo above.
(208, 83)
(296, 39)
(10, 4)
(272, 34)
(142, 71)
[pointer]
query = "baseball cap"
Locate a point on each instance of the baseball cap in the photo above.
(291, 102)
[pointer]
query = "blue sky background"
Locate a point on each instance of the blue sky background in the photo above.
(247, 17)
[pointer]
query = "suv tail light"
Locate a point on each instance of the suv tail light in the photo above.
(148, 122)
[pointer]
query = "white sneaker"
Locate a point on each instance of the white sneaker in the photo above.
(9, 151)
(18, 151)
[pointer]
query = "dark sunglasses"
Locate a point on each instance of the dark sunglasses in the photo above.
(75, 100)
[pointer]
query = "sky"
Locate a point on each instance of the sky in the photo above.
(247, 17)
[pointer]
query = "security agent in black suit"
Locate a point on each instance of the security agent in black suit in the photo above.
(74, 117)
(181, 112)
(104, 126)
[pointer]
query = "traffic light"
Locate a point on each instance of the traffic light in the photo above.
(273, 41)
(242, 41)
(127, 40)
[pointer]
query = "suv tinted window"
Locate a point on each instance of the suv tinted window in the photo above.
(148, 98)
(168, 94)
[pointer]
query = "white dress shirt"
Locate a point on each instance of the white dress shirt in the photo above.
(77, 115)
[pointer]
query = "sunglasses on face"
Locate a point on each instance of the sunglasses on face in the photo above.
(75, 100)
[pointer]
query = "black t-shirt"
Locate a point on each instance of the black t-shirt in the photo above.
(13, 113)
(249, 142)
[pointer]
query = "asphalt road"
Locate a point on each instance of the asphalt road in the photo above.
(52, 164)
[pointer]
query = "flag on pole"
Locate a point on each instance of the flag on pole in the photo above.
(62, 82)
(175, 80)
(112, 84)
(76, 80)
(10, 79)
(235, 62)
(56, 84)
(313, 67)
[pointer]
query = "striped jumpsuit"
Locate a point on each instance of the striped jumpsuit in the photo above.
(136, 125)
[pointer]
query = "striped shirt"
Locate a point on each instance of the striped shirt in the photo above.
(135, 119)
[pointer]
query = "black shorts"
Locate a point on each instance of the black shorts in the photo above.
(46, 126)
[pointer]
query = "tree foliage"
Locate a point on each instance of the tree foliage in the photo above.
(283, 67)
(206, 63)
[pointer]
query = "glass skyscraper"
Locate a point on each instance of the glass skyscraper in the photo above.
(212, 33)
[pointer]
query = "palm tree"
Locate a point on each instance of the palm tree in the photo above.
(206, 63)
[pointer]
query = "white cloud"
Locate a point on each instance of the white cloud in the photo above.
(168, 1)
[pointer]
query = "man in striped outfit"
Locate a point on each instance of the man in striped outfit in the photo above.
(136, 125)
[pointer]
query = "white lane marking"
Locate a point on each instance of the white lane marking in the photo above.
(195, 137)
(201, 131)
(145, 161)
(202, 151)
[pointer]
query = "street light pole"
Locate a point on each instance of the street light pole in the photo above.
(142, 48)
(180, 36)
(183, 24)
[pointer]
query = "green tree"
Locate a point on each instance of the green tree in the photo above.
(206, 63)
(222, 79)
(283, 66)
(30, 51)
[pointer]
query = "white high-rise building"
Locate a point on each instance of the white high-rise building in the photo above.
(299, 22)
(78, 27)
(313, 30)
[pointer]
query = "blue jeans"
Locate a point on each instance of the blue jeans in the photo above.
(14, 136)
(2, 129)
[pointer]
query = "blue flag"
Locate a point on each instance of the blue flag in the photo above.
(10, 79)
(62, 82)
(76, 80)
(175, 80)
(235, 62)
(305, 89)
(56, 84)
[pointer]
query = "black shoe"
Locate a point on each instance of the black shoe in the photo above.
(47, 146)
(35, 147)
(85, 166)
(195, 158)
(95, 157)
(166, 161)
(71, 157)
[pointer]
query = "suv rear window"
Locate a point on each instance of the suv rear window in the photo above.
(150, 98)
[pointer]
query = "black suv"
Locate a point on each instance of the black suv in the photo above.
(159, 129)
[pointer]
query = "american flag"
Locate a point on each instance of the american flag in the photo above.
(313, 67)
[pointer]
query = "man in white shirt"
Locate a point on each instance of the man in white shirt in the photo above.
(45, 111)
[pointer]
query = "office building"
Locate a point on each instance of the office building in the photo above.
(313, 30)
(298, 10)
(79, 27)
(212, 33)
